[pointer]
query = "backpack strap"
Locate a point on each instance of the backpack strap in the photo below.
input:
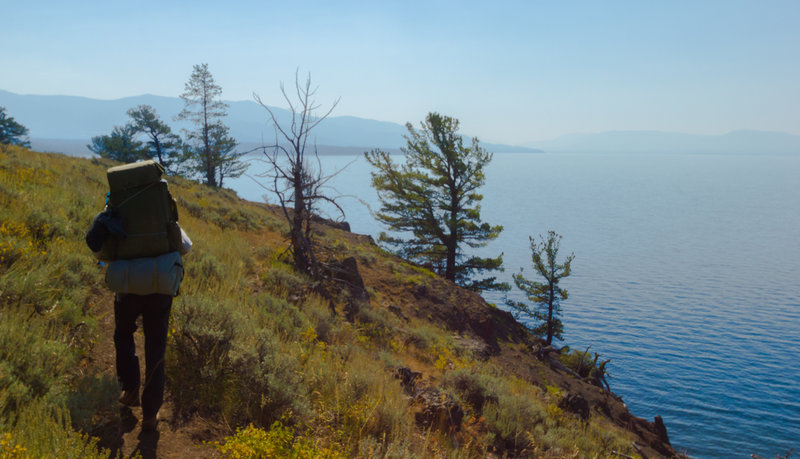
(135, 194)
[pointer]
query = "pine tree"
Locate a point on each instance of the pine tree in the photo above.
(431, 203)
(120, 146)
(545, 296)
(163, 145)
(204, 109)
(11, 132)
(225, 158)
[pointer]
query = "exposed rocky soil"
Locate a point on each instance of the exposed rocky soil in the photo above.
(489, 333)
(496, 335)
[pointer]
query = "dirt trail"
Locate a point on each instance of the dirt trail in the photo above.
(121, 430)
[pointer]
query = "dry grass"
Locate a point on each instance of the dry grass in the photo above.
(251, 342)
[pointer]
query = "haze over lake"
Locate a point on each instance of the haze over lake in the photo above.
(685, 275)
(671, 164)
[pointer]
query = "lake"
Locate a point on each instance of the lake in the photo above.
(686, 275)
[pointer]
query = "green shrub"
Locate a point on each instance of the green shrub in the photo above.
(91, 395)
(278, 441)
(283, 317)
(390, 410)
(324, 320)
(49, 280)
(580, 362)
(377, 402)
(222, 362)
(43, 431)
(377, 324)
(264, 253)
(29, 288)
(281, 280)
(193, 208)
(80, 266)
(475, 388)
(423, 337)
(199, 355)
(267, 378)
(44, 226)
(206, 268)
(10, 252)
(513, 420)
(34, 358)
(241, 218)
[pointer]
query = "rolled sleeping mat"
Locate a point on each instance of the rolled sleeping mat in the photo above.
(145, 276)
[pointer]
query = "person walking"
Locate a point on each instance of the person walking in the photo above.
(155, 311)
(139, 234)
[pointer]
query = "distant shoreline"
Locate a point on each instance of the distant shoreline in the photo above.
(78, 148)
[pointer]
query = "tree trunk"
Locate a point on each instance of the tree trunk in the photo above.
(550, 316)
(297, 239)
(452, 226)
(207, 160)
(158, 148)
(450, 268)
(210, 173)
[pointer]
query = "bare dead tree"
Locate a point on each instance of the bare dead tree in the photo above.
(296, 181)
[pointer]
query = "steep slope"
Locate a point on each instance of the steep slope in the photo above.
(383, 358)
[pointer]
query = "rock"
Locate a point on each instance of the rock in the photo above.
(342, 225)
(661, 430)
(439, 410)
(575, 403)
(408, 379)
(346, 273)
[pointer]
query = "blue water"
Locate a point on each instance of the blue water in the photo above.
(686, 275)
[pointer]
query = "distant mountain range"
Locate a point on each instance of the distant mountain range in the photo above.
(736, 142)
(67, 123)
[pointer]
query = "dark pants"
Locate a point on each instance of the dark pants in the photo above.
(154, 310)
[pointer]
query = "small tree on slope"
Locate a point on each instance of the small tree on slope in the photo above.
(545, 296)
(212, 149)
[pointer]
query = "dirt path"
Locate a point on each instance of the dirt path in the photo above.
(121, 429)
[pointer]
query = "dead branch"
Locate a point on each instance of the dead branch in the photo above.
(294, 181)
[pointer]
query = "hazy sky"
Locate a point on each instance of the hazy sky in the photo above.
(510, 71)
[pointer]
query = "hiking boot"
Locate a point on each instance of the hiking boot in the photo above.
(150, 424)
(129, 398)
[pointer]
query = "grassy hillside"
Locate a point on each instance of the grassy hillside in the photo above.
(265, 362)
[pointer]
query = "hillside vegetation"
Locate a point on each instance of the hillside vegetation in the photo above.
(385, 359)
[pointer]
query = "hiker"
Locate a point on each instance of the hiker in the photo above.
(155, 310)
(139, 234)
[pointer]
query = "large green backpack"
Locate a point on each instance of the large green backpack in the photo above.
(141, 199)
